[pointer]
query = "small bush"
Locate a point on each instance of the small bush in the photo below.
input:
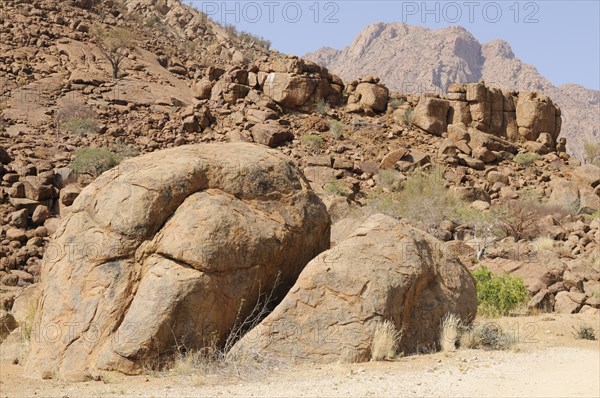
(584, 332)
(391, 180)
(94, 161)
(425, 200)
(322, 107)
(450, 335)
(526, 159)
(337, 129)
(394, 103)
(214, 358)
(519, 220)
(338, 187)
(312, 140)
(592, 153)
(488, 336)
(78, 119)
(126, 151)
(544, 243)
(81, 126)
(408, 117)
(249, 38)
(151, 21)
(385, 341)
(86, 4)
(497, 295)
(231, 29)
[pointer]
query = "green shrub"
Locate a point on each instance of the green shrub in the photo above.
(312, 140)
(526, 159)
(497, 295)
(81, 126)
(337, 129)
(94, 161)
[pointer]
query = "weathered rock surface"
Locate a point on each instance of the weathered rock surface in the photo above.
(385, 270)
(431, 114)
(170, 254)
(368, 95)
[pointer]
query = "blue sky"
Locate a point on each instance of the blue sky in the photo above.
(560, 38)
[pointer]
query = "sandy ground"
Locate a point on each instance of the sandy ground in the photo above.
(548, 362)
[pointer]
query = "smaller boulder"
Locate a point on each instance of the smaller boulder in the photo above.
(431, 115)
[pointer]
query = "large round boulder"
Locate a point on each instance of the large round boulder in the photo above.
(171, 248)
(385, 270)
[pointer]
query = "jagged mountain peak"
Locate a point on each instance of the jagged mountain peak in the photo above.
(412, 59)
(498, 48)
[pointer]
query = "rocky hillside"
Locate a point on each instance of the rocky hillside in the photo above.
(413, 59)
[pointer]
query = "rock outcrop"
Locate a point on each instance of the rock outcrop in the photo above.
(413, 59)
(171, 248)
(367, 95)
(385, 270)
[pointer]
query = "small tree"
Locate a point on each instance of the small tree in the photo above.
(519, 220)
(485, 225)
(114, 44)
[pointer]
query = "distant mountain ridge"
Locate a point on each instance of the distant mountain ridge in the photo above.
(416, 59)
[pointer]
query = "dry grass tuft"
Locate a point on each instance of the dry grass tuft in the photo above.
(451, 326)
(385, 341)
(215, 358)
(544, 243)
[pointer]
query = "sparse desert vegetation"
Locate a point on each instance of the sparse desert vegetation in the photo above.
(94, 161)
(527, 159)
